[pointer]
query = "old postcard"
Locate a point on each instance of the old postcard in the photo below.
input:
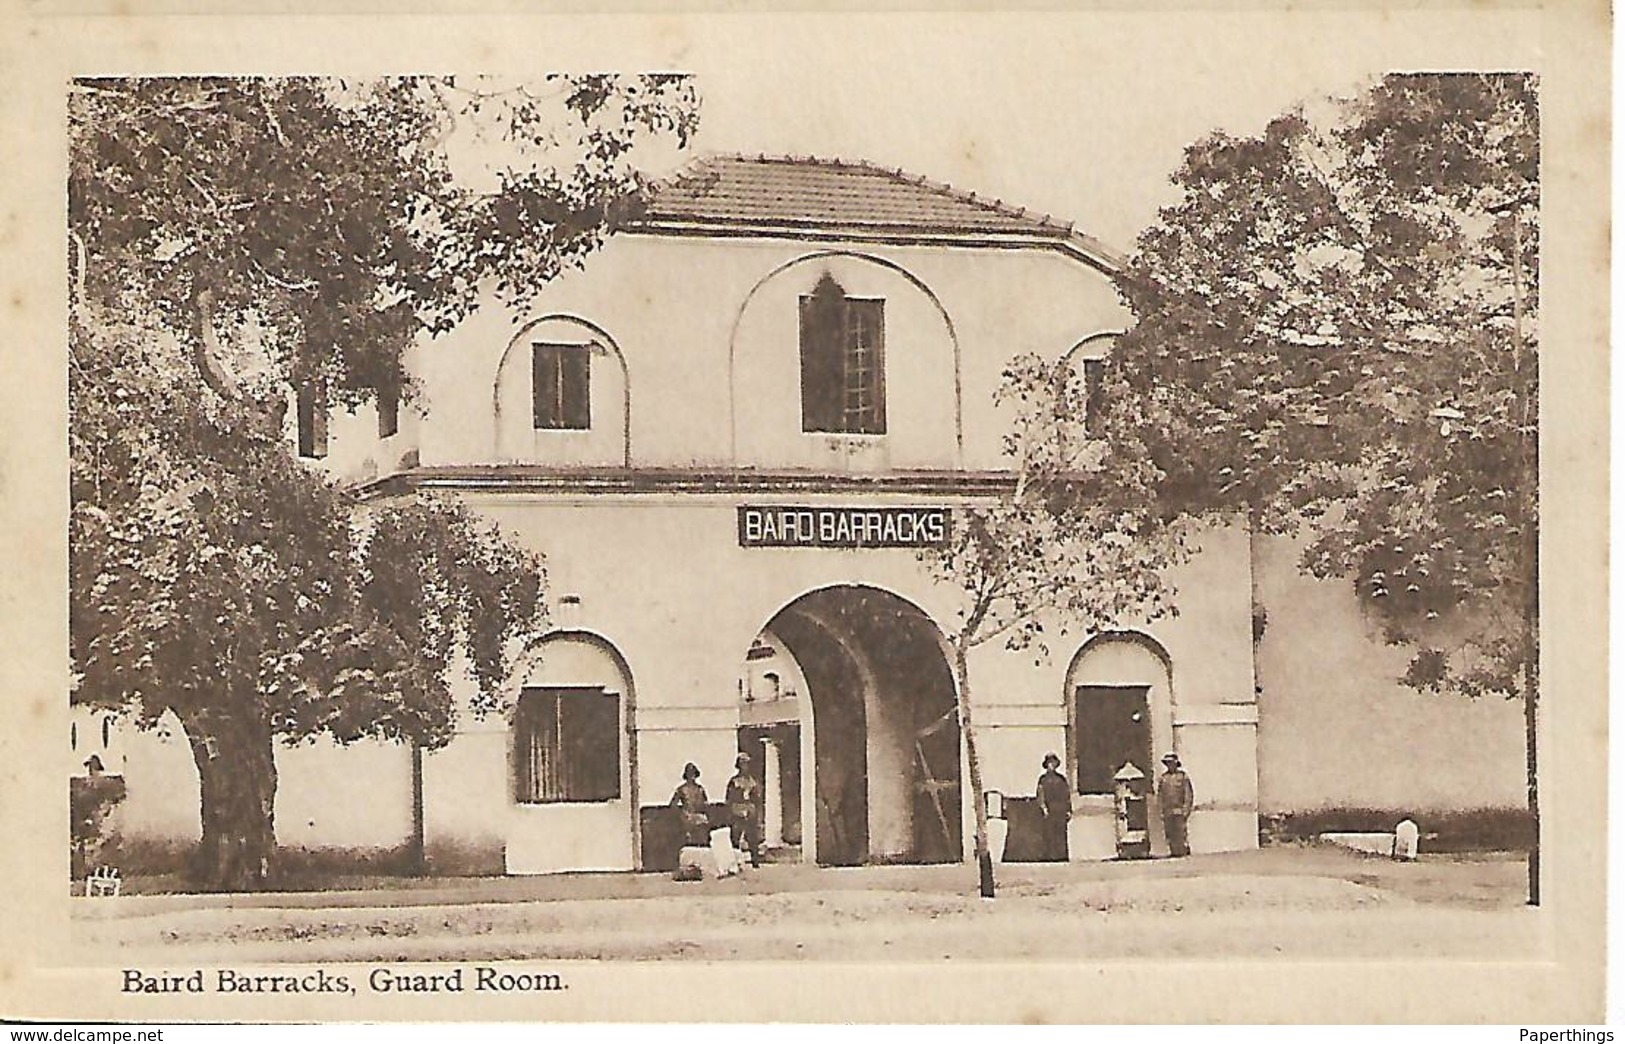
(960, 516)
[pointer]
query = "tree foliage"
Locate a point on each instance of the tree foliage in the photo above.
(1336, 329)
(232, 240)
(1077, 544)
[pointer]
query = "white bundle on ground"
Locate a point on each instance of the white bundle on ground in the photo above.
(723, 851)
(695, 862)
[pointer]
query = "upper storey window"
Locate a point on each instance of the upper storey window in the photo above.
(389, 410)
(310, 410)
(560, 390)
(1094, 391)
(843, 372)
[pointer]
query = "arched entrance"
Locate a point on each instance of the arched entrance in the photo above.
(850, 689)
(1119, 702)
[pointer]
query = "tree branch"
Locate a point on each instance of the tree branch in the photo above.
(206, 348)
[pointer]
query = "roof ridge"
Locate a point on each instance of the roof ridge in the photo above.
(1040, 224)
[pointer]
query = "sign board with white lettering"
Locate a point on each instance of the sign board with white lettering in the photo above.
(785, 525)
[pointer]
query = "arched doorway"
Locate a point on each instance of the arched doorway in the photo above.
(850, 688)
(1119, 702)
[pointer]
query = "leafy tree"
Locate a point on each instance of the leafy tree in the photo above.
(1336, 329)
(233, 240)
(1074, 545)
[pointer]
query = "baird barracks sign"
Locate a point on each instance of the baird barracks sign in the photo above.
(780, 525)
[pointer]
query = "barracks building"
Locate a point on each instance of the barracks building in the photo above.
(730, 433)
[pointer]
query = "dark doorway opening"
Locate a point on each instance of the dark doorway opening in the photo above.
(786, 740)
(1113, 729)
(886, 755)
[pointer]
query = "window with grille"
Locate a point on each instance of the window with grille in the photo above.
(560, 388)
(843, 371)
(567, 746)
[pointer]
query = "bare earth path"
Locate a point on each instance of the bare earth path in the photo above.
(1292, 902)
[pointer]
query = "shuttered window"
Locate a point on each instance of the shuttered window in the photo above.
(843, 372)
(389, 410)
(311, 417)
(560, 390)
(567, 745)
(1094, 373)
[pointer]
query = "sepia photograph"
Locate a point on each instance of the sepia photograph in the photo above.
(945, 504)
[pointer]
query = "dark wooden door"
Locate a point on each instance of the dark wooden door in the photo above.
(1113, 728)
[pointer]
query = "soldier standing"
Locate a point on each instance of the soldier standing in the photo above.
(744, 810)
(1175, 798)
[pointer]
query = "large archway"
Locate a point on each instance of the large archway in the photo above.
(850, 687)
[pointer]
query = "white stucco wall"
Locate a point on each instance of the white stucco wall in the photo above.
(1337, 728)
(328, 795)
(472, 818)
(708, 332)
(354, 796)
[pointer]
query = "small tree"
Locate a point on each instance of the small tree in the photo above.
(1074, 544)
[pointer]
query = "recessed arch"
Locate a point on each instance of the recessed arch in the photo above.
(858, 585)
(532, 657)
(597, 664)
(882, 262)
(600, 337)
(1094, 338)
(1130, 635)
(882, 770)
(1120, 673)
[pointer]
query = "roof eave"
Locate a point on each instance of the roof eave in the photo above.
(1071, 244)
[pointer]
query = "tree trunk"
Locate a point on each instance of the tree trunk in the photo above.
(237, 796)
(984, 857)
(1529, 532)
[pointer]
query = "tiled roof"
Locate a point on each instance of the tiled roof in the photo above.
(756, 193)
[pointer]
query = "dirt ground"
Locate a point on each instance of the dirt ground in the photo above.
(1291, 901)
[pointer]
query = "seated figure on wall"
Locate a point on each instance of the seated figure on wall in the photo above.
(690, 801)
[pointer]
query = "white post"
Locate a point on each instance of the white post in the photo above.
(772, 790)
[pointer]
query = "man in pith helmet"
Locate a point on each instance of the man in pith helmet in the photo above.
(1175, 798)
(744, 800)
